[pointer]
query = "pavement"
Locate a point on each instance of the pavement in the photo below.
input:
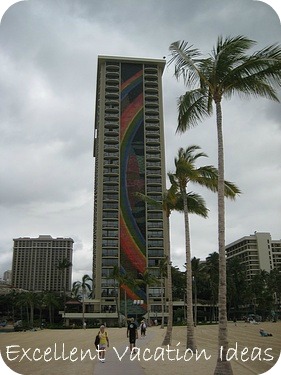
(119, 361)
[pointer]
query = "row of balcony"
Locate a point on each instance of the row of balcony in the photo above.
(111, 223)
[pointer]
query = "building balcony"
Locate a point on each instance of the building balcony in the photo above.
(112, 75)
(151, 91)
(112, 95)
(112, 81)
(150, 70)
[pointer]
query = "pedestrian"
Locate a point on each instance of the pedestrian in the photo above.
(103, 343)
(143, 328)
(84, 325)
(132, 334)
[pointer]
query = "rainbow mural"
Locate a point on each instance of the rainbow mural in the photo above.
(132, 178)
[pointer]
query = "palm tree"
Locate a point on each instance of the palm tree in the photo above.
(206, 176)
(212, 269)
(236, 284)
(30, 300)
(62, 266)
(122, 279)
(82, 287)
(51, 301)
(196, 269)
(228, 70)
(170, 201)
(163, 270)
(147, 279)
(274, 285)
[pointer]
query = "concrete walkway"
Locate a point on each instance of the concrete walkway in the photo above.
(118, 361)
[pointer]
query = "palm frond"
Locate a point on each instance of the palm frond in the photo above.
(187, 63)
(193, 106)
(197, 205)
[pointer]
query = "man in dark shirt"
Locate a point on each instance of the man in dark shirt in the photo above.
(132, 333)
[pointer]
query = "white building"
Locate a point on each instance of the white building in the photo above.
(257, 252)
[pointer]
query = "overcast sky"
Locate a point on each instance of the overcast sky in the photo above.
(48, 62)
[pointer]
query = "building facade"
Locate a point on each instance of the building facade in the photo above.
(7, 276)
(36, 260)
(257, 252)
(128, 235)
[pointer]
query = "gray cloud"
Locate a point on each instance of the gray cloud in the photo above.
(48, 57)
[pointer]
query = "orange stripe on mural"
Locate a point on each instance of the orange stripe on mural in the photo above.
(130, 80)
(129, 114)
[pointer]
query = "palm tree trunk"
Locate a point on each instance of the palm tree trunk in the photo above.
(50, 314)
(117, 299)
(190, 340)
(27, 315)
(31, 315)
(223, 367)
(125, 300)
(83, 309)
(168, 337)
(162, 303)
(195, 303)
(148, 306)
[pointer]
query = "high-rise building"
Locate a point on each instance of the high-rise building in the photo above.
(7, 277)
(36, 262)
(130, 235)
(257, 252)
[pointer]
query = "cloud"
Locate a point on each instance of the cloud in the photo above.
(48, 64)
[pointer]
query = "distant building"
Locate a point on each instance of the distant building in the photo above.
(7, 276)
(257, 252)
(35, 263)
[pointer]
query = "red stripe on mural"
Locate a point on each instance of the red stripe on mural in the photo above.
(129, 113)
(133, 78)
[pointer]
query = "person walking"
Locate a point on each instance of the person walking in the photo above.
(143, 328)
(132, 334)
(104, 342)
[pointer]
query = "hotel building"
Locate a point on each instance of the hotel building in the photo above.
(128, 235)
(257, 252)
(35, 263)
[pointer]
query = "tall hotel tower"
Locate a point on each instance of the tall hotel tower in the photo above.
(36, 260)
(129, 158)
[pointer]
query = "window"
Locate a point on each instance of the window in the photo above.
(109, 243)
(110, 262)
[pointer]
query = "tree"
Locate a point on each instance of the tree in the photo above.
(62, 266)
(30, 300)
(51, 301)
(212, 269)
(228, 70)
(171, 200)
(262, 297)
(82, 287)
(163, 273)
(146, 279)
(122, 279)
(206, 176)
(236, 284)
(196, 269)
(274, 285)
(178, 279)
